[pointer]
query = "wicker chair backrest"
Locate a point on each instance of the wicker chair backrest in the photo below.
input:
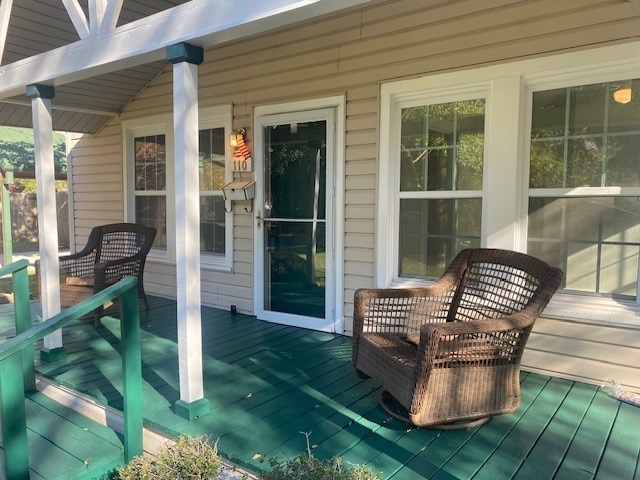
(495, 284)
(118, 241)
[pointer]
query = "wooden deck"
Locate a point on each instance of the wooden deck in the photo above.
(268, 383)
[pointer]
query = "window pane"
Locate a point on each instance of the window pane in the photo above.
(211, 159)
(584, 162)
(152, 211)
(549, 112)
(442, 146)
(546, 167)
(594, 240)
(432, 232)
(150, 162)
(624, 117)
(586, 109)
(212, 225)
(623, 160)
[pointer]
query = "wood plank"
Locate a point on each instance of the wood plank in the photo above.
(583, 456)
(621, 458)
(547, 454)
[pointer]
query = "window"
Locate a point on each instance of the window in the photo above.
(212, 178)
(150, 166)
(584, 174)
(149, 152)
(440, 186)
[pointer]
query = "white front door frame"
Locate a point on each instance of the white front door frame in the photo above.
(335, 316)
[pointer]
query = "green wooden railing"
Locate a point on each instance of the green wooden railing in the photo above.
(17, 372)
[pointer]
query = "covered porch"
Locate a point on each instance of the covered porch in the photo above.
(267, 383)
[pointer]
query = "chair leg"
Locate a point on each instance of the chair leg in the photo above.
(385, 397)
(97, 313)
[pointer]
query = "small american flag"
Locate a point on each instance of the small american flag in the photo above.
(241, 150)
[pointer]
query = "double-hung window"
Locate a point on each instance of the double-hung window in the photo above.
(584, 185)
(149, 155)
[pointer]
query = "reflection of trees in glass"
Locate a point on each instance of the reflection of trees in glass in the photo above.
(211, 158)
(293, 158)
(150, 163)
(442, 146)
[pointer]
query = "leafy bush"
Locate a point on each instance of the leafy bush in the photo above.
(306, 466)
(187, 458)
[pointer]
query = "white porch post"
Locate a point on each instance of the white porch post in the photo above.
(41, 96)
(185, 59)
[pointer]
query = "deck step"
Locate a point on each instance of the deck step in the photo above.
(64, 444)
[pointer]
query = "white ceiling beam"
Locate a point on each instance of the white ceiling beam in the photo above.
(201, 22)
(5, 15)
(96, 15)
(110, 16)
(78, 17)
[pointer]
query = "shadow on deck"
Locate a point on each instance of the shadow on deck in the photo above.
(267, 383)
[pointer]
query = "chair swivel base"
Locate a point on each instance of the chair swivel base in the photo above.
(386, 397)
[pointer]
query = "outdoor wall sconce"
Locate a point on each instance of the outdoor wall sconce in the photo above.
(237, 137)
(623, 93)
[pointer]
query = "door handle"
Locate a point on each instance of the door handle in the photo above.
(258, 219)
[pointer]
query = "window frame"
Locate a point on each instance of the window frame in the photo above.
(211, 117)
(398, 194)
(507, 144)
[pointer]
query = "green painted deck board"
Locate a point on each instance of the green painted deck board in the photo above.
(548, 452)
(268, 382)
(583, 456)
(64, 445)
(621, 458)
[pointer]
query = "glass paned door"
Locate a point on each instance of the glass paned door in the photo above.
(295, 231)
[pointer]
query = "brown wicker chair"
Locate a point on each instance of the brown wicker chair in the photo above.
(450, 353)
(112, 252)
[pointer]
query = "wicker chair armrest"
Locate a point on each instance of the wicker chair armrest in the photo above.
(111, 271)
(479, 343)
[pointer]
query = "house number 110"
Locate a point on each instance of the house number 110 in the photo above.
(241, 165)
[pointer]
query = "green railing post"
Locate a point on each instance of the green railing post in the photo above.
(13, 418)
(131, 374)
(21, 307)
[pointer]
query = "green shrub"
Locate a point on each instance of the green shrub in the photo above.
(308, 467)
(187, 458)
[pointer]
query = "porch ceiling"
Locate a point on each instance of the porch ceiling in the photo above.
(36, 27)
(92, 85)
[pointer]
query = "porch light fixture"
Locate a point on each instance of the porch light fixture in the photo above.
(623, 93)
(237, 137)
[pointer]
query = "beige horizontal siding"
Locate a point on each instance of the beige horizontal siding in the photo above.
(585, 351)
(352, 54)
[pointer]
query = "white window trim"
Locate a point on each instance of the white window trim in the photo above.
(505, 186)
(163, 125)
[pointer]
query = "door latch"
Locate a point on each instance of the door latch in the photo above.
(258, 219)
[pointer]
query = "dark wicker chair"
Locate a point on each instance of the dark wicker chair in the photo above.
(112, 252)
(449, 354)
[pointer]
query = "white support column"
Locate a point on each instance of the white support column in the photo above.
(41, 96)
(185, 59)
